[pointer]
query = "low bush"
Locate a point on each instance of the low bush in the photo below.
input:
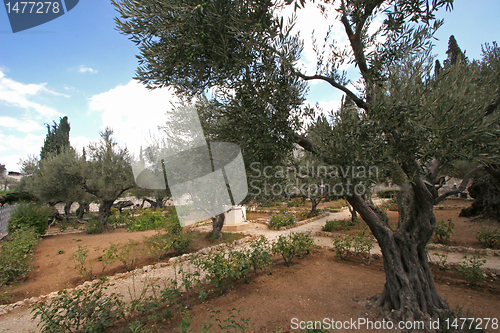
(342, 245)
(234, 265)
(147, 220)
(30, 215)
(93, 226)
(118, 217)
(180, 242)
(489, 239)
(158, 245)
(282, 220)
(470, 268)
(16, 254)
(290, 204)
(337, 225)
(260, 254)
(292, 245)
(337, 204)
(85, 266)
(444, 231)
(83, 310)
(266, 204)
(129, 254)
(359, 244)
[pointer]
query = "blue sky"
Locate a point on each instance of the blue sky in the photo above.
(78, 65)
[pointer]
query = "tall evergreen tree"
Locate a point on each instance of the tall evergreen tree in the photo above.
(454, 52)
(57, 138)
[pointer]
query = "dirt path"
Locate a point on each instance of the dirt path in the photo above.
(319, 286)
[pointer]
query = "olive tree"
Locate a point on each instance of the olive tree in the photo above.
(404, 117)
(106, 173)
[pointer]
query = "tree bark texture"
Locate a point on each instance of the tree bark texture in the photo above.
(486, 193)
(82, 208)
(105, 212)
(67, 209)
(409, 289)
(218, 222)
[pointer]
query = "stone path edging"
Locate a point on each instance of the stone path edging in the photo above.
(463, 249)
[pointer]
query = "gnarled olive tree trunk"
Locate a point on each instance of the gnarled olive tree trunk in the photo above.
(105, 212)
(409, 289)
(83, 207)
(218, 223)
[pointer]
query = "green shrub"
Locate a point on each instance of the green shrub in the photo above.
(292, 245)
(85, 266)
(84, 310)
(362, 245)
(30, 215)
(470, 268)
(342, 245)
(282, 220)
(147, 221)
(357, 244)
(443, 231)
(260, 254)
(268, 203)
(16, 254)
(489, 239)
(93, 227)
(217, 267)
(293, 204)
(158, 245)
(180, 242)
(13, 197)
(118, 218)
(129, 254)
(337, 225)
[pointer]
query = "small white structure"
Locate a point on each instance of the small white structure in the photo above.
(235, 219)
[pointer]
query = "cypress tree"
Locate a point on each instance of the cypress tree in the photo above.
(57, 138)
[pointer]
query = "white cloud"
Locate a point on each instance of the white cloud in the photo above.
(26, 125)
(84, 69)
(18, 94)
(329, 106)
(13, 148)
(132, 111)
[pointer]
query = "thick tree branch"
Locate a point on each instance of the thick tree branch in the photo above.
(357, 47)
(369, 8)
(492, 170)
(91, 190)
(462, 186)
(359, 102)
(312, 147)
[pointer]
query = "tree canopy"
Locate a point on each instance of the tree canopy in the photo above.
(404, 116)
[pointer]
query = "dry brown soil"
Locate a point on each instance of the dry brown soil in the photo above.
(55, 270)
(315, 287)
